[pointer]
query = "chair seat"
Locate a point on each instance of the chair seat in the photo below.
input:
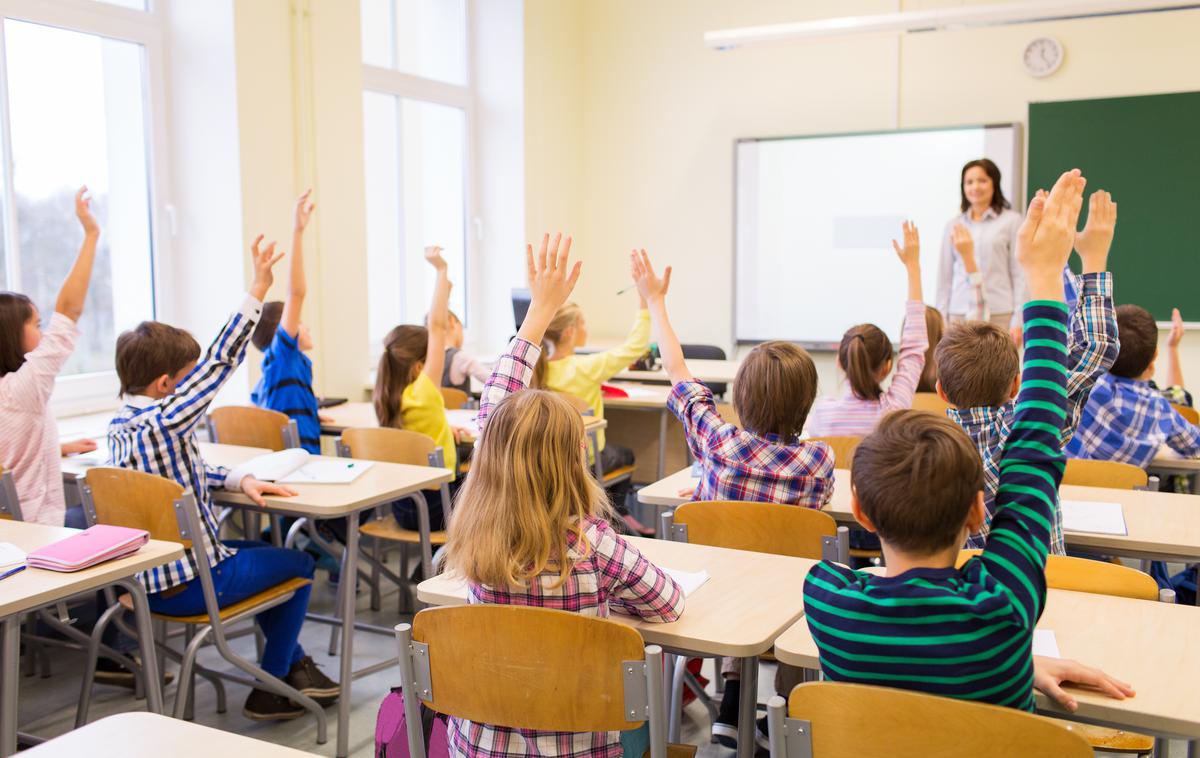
(234, 609)
(858, 552)
(617, 474)
(388, 529)
(1112, 740)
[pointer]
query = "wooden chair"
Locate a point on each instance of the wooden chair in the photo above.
(122, 497)
(546, 669)
(454, 397)
(836, 720)
(250, 426)
(10, 504)
(414, 449)
(1111, 474)
(843, 449)
(929, 401)
(1189, 413)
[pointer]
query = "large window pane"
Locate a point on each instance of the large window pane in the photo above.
(425, 38)
(415, 167)
(77, 112)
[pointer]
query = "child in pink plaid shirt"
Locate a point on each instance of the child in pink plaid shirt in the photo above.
(530, 526)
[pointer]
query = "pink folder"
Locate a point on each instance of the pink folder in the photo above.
(94, 545)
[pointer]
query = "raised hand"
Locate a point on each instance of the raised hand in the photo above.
(551, 277)
(264, 259)
(910, 253)
(964, 245)
(1176, 335)
(1045, 238)
(304, 211)
(649, 285)
(433, 254)
(1094, 242)
(83, 211)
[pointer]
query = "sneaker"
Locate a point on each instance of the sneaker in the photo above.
(761, 735)
(112, 673)
(262, 705)
(725, 728)
(306, 677)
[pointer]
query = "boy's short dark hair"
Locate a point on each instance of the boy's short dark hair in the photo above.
(916, 477)
(150, 350)
(264, 332)
(774, 389)
(976, 363)
(1139, 341)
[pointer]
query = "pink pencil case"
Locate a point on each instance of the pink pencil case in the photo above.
(94, 545)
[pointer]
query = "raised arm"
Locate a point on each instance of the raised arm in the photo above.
(551, 280)
(439, 317)
(654, 292)
(297, 283)
(915, 338)
(964, 245)
(74, 289)
(1174, 372)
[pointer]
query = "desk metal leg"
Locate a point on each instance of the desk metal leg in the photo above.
(348, 598)
(748, 708)
(662, 444)
(145, 629)
(10, 651)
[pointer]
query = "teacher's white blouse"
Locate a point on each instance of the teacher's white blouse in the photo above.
(995, 236)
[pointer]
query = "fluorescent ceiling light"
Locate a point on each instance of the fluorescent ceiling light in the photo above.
(959, 17)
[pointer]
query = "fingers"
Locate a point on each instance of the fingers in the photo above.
(898, 249)
(254, 246)
(560, 263)
(574, 277)
(1056, 693)
(541, 259)
(666, 280)
(1176, 317)
(531, 270)
(255, 495)
(552, 254)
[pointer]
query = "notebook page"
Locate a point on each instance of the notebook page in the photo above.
(1045, 643)
(1093, 517)
(11, 555)
(327, 472)
(688, 581)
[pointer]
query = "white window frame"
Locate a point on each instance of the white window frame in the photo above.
(89, 392)
(390, 81)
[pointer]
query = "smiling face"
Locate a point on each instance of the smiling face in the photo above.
(977, 187)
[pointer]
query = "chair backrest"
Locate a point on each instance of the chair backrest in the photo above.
(250, 426)
(1189, 413)
(929, 401)
(576, 402)
(846, 720)
(392, 446)
(761, 527)
(10, 504)
(843, 449)
(1064, 572)
(1121, 476)
(571, 678)
(124, 497)
(454, 397)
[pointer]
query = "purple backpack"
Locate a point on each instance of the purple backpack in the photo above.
(391, 732)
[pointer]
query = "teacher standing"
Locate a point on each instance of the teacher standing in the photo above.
(979, 247)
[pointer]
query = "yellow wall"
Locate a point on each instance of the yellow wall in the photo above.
(636, 148)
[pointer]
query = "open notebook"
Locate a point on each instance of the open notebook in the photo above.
(297, 466)
(1093, 517)
(12, 559)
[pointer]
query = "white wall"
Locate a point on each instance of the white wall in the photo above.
(631, 119)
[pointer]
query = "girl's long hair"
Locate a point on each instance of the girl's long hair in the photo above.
(565, 317)
(403, 348)
(862, 354)
(529, 489)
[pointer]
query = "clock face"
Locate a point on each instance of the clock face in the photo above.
(1043, 56)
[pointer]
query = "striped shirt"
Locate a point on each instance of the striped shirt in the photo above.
(158, 437)
(1127, 420)
(286, 386)
(608, 574)
(737, 464)
(851, 415)
(1093, 348)
(965, 633)
(28, 431)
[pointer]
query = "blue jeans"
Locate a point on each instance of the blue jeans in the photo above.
(255, 567)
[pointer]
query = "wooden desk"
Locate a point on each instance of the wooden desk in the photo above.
(748, 601)
(87, 426)
(1161, 525)
(35, 588)
(147, 735)
(77, 466)
(713, 372)
(1153, 646)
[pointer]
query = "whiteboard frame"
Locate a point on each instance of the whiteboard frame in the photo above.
(1018, 203)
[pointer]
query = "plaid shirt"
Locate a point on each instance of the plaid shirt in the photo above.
(1093, 348)
(740, 465)
(1128, 421)
(607, 574)
(158, 437)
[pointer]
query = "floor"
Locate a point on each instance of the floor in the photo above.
(47, 706)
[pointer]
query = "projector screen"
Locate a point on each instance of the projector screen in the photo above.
(816, 216)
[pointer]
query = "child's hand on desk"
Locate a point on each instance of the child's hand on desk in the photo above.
(688, 492)
(78, 446)
(255, 490)
(650, 286)
(324, 418)
(461, 433)
(1094, 242)
(1049, 673)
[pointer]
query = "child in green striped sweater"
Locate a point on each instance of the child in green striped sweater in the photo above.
(917, 481)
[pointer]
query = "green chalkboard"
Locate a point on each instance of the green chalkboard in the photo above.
(1145, 151)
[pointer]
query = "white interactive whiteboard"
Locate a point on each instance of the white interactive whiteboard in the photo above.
(815, 217)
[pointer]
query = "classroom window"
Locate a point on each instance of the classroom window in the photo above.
(416, 120)
(76, 114)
